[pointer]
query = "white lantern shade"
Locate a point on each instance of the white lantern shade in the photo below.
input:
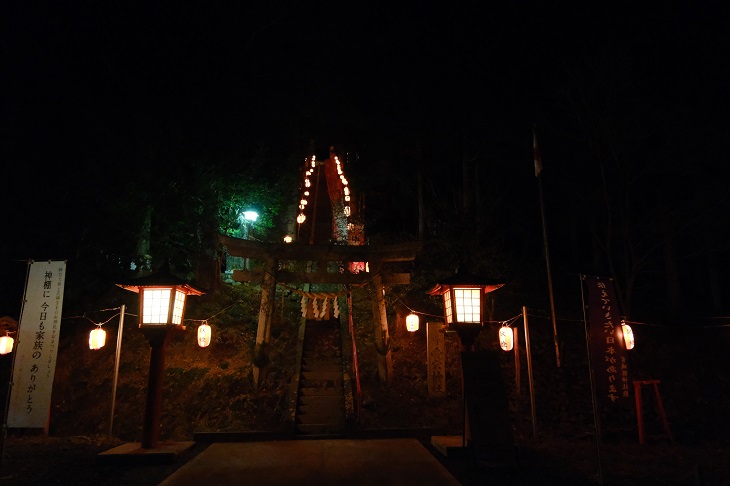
(463, 304)
(506, 338)
(412, 322)
(468, 304)
(161, 298)
(204, 335)
(462, 294)
(97, 338)
(157, 309)
(6, 344)
(628, 336)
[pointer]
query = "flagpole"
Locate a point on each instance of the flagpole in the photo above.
(538, 174)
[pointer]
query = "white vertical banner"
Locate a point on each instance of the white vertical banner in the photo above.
(39, 328)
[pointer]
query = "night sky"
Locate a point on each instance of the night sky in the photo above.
(97, 92)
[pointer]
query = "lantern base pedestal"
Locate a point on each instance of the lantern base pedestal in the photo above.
(163, 452)
(467, 332)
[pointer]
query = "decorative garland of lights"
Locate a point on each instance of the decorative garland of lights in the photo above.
(311, 164)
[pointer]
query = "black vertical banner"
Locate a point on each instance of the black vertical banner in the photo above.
(607, 349)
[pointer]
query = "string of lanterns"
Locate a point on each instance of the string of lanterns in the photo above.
(97, 337)
(506, 333)
(311, 164)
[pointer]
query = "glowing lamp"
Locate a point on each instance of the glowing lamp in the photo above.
(628, 335)
(97, 338)
(161, 299)
(463, 304)
(288, 239)
(161, 310)
(204, 335)
(412, 322)
(6, 344)
(506, 338)
(301, 218)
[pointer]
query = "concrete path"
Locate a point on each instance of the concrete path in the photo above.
(321, 462)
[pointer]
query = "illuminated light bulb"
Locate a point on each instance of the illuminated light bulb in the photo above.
(301, 218)
(347, 198)
(347, 191)
(288, 239)
(412, 322)
(306, 193)
(97, 338)
(204, 335)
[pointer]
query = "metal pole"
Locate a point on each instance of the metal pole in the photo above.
(549, 275)
(529, 373)
(596, 415)
(547, 251)
(116, 367)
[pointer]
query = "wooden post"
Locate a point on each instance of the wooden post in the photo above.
(529, 373)
(436, 359)
(117, 356)
(382, 340)
(153, 408)
(516, 350)
(263, 332)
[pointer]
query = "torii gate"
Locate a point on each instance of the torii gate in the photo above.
(331, 234)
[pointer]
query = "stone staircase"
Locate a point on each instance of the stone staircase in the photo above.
(320, 406)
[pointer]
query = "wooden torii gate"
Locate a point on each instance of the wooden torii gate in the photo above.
(378, 257)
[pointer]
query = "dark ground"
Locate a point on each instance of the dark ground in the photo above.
(34, 460)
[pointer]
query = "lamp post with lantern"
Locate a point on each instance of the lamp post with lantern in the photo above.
(486, 410)
(161, 309)
(463, 295)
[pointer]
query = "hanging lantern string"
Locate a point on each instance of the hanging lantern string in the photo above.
(511, 320)
(417, 312)
(99, 324)
(216, 314)
(626, 321)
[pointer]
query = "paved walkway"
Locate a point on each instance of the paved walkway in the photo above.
(320, 462)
